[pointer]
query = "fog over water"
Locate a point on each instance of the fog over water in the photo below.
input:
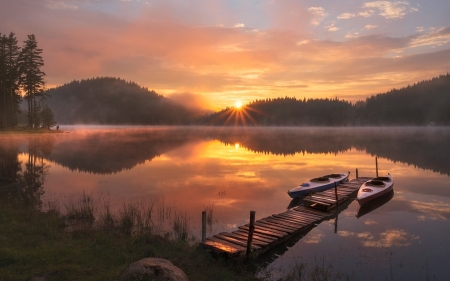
(235, 170)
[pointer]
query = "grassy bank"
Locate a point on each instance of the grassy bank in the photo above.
(33, 243)
(28, 131)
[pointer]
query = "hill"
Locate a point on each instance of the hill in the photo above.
(426, 102)
(108, 100)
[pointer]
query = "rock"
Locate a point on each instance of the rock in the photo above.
(153, 269)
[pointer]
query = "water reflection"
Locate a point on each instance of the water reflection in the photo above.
(375, 204)
(26, 176)
(230, 171)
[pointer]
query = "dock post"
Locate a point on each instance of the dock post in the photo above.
(250, 233)
(376, 165)
(203, 226)
(356, 172)
(336, 194)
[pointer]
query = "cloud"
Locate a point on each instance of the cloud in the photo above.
(318, 14)
(388, 238)
(366, 14)
(391, 10)
(434, 38)
(352, 35)
(370, 26)
(436, 210)
(391, 238)
(420, 29)
(159, 48)
(346, 16)
(313, 239)
(332, 27)
(239, 25)
(59, 5)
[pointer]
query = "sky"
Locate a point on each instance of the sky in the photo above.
(216, 52)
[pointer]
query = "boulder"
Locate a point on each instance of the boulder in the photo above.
(153, 269)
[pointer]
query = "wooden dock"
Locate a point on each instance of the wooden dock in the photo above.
(279, 228)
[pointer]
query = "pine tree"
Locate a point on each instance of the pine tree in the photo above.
(32, 77)
(12, 79)
(47, 117)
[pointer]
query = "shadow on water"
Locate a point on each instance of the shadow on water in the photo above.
(375, 204)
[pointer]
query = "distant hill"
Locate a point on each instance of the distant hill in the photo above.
(108, 100)
(427, 102)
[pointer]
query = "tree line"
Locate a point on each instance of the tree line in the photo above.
(424, 103)
(21, 77)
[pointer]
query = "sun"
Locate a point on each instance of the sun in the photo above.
(238, 104)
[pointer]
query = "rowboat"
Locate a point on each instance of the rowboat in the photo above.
(374, 188)
(318, 184)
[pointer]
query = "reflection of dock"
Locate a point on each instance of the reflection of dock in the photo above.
(276, 229)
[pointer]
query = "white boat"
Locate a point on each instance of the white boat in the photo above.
(318, 184)
(374, 188)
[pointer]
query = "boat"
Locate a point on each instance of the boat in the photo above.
(374, 188)
(318, 184)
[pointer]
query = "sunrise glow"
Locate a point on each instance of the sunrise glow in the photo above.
(238, 104)
(301, 49)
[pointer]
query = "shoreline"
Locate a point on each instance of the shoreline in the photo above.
(28, 131)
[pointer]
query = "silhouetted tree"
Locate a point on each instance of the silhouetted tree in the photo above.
(9, 80)
(32, 82)
(47, 117)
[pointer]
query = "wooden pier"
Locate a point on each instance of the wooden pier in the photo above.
(276, 229)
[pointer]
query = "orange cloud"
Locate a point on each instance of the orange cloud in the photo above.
(173, 47)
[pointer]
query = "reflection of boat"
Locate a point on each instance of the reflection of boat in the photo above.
(297, 201)
(374, 188)
(318, 184)
(375, 204)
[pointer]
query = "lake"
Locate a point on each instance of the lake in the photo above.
(231, 171)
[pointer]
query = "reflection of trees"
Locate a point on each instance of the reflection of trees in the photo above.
(426, 148)
(111, 151)
(9, 162)
(35, 168)
(33, 176)
(105, 152)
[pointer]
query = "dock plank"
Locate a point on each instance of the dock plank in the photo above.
(281, 227)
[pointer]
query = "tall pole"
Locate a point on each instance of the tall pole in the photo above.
(203, 226)
(376, 165)
(250, 233)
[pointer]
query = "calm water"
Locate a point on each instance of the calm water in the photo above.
(233, 171)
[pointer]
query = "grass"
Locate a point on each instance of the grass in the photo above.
(25, 130)
(34, 243)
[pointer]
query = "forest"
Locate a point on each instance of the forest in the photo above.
(21, 78)
(424, 103)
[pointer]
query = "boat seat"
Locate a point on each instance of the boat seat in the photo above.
(375, 183)
(321, 179)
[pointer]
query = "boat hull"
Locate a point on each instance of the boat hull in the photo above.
(368, 193)
(316, 187)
